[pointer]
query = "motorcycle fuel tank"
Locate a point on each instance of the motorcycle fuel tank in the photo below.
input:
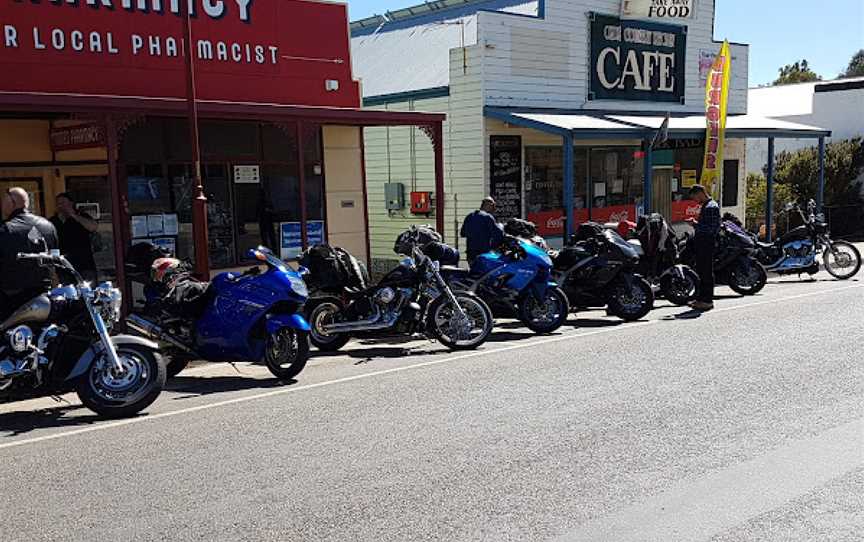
(37, 309)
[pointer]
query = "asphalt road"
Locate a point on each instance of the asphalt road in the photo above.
(746, 423)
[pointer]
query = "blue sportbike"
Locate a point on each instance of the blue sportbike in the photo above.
(250, 316)
(515, 280)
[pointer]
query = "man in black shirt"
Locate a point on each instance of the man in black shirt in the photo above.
(481, 230)
(74, 230)
(25, 232)
(705, 239)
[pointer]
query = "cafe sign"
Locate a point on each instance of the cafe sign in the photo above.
(657, 9)
(636, 60)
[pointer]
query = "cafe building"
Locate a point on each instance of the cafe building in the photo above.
(95, 101)
(552, 108)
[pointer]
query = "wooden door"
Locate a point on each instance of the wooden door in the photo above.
(661, 199)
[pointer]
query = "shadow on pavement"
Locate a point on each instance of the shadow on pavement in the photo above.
(198, 386)
(365, 355)
(589, 322)
(691, 314)
(18, 423)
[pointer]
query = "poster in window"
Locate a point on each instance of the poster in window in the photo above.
(169, 224)
(139, 226)
(505, 180)
(155, 225)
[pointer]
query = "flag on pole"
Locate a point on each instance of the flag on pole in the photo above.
(716, 97)
(662, 135)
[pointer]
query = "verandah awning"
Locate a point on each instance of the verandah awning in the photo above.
(604, 125)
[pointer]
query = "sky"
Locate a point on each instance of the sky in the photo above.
(826, 33)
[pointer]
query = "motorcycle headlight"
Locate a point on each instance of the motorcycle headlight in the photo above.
(20, 339)
(298, 285)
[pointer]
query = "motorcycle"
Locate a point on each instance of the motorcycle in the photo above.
(599, 268)
(659, 260)
(735, 262)
(798, 250)
(60, 341)
(250, 316)
(515, 280)
(412, 298)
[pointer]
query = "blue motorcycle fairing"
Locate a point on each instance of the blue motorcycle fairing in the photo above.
(226, 331)
(275, 322)
(517, 274)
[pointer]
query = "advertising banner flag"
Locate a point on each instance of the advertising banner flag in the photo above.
(716, 98)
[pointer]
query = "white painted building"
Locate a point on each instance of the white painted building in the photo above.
(835, 105)
(527, 107)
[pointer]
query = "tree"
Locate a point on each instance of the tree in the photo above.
(844, 164)
(856, 65)
(757, 192)
(799, 72)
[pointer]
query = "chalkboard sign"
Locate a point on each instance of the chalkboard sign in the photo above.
(506, 175)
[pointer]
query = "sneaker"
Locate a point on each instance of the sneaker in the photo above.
(702, 306)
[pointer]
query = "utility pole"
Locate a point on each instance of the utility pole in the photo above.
(199, 204)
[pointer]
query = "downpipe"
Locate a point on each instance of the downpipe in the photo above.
(153, 331)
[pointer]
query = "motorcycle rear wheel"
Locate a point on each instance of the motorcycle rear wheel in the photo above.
(631, 302)
(849, 261)
(750, 282)
(443, 325)
(286, 353)
(118, 395)
(548, 316)
(321, 315)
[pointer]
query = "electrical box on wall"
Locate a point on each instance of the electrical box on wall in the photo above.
(394, 196)
(421, 203)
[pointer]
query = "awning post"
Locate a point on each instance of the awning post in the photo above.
(647, 183)
(568, 184)
(769, 196)
(820, 193)
(438, 148)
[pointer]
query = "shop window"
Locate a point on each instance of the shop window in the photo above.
(234, 140)
(220, 221)
(616, 178)
(544, 188)
(143, 142)
(33, 186)
(279, 143)
(177, 140)
(93, 196)
(730, 183)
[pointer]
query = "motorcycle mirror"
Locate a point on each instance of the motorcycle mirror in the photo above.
(303, 271)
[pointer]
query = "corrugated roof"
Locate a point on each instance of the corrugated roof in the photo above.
(412, 52)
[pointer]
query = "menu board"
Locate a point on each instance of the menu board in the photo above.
(505, 158)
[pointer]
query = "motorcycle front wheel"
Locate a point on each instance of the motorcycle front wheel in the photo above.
(455, 332)
(322, 314)
(631, 300)
(748, 280)
(679, 290)
(842, 260)
(286, 352)
(547, 315)
(118, 394)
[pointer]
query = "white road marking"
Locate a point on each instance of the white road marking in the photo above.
(283, 391)
(696, 510)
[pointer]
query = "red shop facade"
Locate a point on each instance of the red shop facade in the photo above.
(98, 104)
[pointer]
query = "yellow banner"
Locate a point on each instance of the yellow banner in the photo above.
(716, 98)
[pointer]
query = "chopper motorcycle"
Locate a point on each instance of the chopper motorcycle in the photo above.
(412, 298)
(60, 341)
(249, 316)
(798, 250)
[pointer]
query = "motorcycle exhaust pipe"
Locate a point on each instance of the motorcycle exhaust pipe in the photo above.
(372, 324)
(153, 331)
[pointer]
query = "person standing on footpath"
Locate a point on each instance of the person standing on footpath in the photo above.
(704, 242)
(74, 230)
(481, 230)
(25, 232)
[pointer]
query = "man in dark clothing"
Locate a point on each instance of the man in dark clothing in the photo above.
(22, 232)
(704, 241)
(74, 230)
(481, 230)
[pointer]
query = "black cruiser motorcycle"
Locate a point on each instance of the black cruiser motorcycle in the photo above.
(798, 250)
(412, 298)
(735, 263)
(60, 341)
